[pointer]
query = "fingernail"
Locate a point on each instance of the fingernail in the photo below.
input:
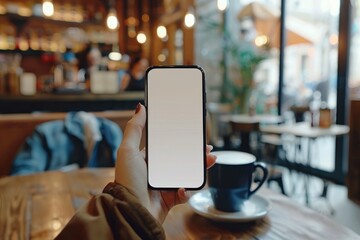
(137, 108)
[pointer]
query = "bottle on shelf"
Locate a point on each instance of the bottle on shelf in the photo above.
(13, 81)
(58, 75)
(13, 75)
(28, 84)
(315, 109)
(3, 71)
(325, 120)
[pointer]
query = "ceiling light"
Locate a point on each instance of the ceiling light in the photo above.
(261, 40)
(48, 8)
(112, 21)
(161, 57)
(161, 32)
(141, 38)
(222, 4)
(189, 19)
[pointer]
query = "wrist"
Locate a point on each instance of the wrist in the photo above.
(157, 207)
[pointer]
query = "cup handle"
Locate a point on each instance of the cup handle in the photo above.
(262, 166)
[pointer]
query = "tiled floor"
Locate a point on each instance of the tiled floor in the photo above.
(346, 212)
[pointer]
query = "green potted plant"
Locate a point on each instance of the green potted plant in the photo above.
(238, 91)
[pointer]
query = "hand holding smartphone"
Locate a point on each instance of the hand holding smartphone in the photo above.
(175, 129)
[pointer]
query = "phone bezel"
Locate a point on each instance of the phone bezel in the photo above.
(203, 120)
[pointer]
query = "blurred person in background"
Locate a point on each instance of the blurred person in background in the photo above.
(134, 78)
(89, 60)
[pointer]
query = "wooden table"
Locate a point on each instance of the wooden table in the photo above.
(38, 207)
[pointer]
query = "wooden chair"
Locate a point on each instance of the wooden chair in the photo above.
(264, 149)
(271, 147)
(246, 129)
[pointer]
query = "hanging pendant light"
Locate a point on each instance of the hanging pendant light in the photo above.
(222, 4)
(161, 32)
(141, 37)
(111, 21)
(48, 8)
(189, 19)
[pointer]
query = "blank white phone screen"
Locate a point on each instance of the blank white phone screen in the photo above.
(175, 128)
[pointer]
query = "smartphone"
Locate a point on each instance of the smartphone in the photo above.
(175, 129)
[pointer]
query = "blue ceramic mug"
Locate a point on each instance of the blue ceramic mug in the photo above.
(230, 179)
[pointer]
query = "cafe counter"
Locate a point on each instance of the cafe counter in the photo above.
(65, 102)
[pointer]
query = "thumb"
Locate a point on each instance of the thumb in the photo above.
(134, 129)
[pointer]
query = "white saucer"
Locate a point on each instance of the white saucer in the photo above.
(254, 208)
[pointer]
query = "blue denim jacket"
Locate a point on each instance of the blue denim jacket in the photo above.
(56, 144)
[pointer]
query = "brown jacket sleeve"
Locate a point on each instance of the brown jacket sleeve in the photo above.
(114, 214)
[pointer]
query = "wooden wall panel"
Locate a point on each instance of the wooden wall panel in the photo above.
(353, 177)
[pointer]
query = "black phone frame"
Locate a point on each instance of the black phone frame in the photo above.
(203, 116)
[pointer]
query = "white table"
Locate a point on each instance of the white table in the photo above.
(245, 118)
(245, 124)
(304, 129)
